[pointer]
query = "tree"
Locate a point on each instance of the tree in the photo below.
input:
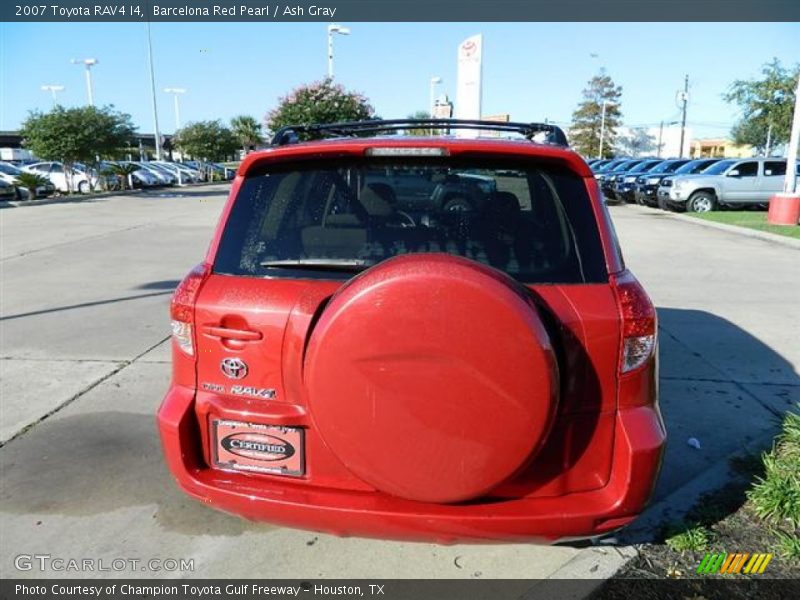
(206, 140)
(588, 117)
(30, 182)
(72, 135)
(420, 114)
(124, 172)
(247, 130)
(637, 143)
(319, 102)
(766, 104)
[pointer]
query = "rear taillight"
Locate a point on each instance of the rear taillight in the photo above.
(182, 307)
(638, 318)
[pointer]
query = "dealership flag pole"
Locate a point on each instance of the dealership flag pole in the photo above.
(784, 209)
(156, 134)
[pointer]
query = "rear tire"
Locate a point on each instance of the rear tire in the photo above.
(83, 187)
(701, 202)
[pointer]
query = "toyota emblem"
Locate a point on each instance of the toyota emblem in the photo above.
(234, 368)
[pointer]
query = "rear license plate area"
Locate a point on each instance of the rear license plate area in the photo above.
(258, 448)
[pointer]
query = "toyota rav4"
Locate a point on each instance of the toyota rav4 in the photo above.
(347, 362)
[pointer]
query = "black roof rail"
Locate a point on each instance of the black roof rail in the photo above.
(291, 133)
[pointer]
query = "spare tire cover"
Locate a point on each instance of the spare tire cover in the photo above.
(431, 377)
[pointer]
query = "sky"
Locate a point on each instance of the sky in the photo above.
(533, 71)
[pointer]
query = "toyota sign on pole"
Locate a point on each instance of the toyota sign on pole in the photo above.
(468, 92)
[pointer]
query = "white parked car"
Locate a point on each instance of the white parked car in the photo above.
(78, 181)
(9, 174)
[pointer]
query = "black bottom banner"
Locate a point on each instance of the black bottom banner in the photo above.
(403, 589)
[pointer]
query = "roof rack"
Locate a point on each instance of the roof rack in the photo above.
(291, 133)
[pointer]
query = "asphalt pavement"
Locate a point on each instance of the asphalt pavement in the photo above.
(84, 363)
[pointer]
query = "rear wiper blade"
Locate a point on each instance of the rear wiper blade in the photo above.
(320, 264)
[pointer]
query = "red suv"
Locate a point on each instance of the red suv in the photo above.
(351, 359)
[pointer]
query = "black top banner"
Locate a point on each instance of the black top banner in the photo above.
(399, 10)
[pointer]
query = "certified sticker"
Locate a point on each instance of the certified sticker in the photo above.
(260, 448)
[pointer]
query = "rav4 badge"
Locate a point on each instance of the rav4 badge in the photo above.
(241, 390)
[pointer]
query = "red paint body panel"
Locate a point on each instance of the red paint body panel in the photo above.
(635, 457)
(597, 452)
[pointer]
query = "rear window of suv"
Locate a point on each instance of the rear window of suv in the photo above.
(332, 218)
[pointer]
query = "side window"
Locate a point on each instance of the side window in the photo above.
(56, 168)
(773, 168)
(748, 169)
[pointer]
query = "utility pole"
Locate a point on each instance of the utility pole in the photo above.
(769, 140)
(684, 97)
(602, 129)
(660, 134)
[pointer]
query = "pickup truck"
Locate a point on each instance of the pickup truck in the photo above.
(730, 182)
(449, 191)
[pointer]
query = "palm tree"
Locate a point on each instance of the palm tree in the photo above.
(30, 181)
(125, 173)
(247, 130)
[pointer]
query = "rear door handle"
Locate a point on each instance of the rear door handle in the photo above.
(244, 335)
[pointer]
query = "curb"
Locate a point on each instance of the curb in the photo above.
(74, 198)
(598, 563)
(752, 233)
(79, 198)
(744, 231)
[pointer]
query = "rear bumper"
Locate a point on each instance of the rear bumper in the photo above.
(638, 447)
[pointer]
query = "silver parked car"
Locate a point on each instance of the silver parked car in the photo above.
(733, 182)
(186, 174)
(141, 177)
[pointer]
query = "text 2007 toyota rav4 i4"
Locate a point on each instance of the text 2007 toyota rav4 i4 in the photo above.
(350, 359)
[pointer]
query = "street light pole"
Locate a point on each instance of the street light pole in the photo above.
(156, 133)
(784, 208)
(334, 28)
(789, 182)
(434, 82)
(53, 89)
(602, 128)
(88, 63)
(175, 93)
